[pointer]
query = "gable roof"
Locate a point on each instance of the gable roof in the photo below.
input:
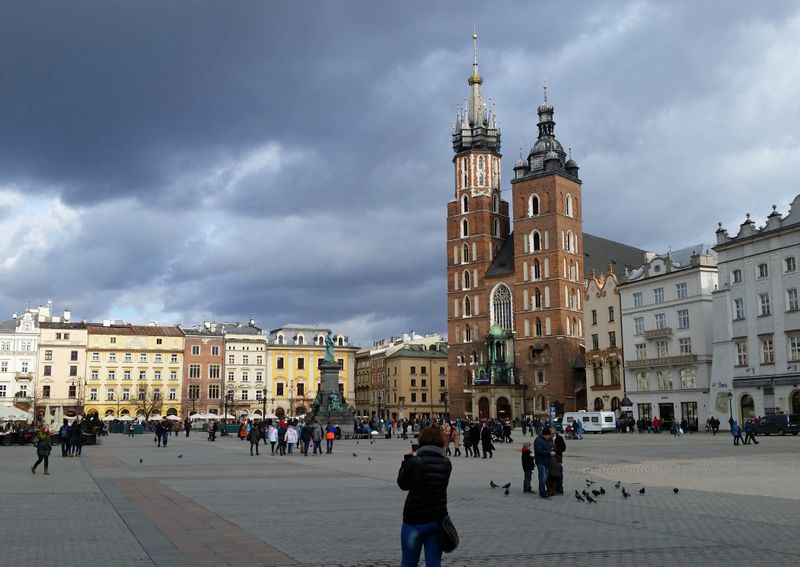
(599, 252)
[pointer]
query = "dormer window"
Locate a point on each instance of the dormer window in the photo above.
(281, 339)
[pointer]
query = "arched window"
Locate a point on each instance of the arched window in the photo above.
(467, 308)
(538, 327)
(568, 205)
(464, 228)
(464, 171)
(281, 339)
(537, 270)
(465, 253)
(536, 241)
(537, 299)
(598, 404)
(495, 203)
(467, 334)
(533, 205)
(301, 339)
(458, 334)
(340, 341)
(464, 204)
(615, 404)
(501, 307)
(496, 231)
(466, 280)
(569, 241)
(473, 358)
(569, 329)
(321, 340)
(460, 358)
(480, 178)
(527, 327)
(480, 163)
(481, 175)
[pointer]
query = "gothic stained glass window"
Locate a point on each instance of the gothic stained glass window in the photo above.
(501, 307)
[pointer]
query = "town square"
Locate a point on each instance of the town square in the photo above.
(357, 283)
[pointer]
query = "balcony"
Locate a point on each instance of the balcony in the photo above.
(658, 333)
(663, 361)
(24, 376)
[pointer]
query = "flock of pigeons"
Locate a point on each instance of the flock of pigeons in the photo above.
(584, 496)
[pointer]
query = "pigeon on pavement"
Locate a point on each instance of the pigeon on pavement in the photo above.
(507, 485)
(619, 483)
(602, 490)
(505, 493)
(675, 490)
(591, 500)
(579, 497)
(493, 485)
(355, 455)
(625, 493)
(596, 492)
(641, 491)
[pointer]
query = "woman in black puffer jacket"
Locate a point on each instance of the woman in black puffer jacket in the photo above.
(425, 476)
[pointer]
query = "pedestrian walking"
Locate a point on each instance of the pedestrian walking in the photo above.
(736, 431)
(187, 426)
(542, 451)
(330, 435)
(486, 441)
(75, 439)
(253, 437)
(63, 436)
(748, 433)
(272, 435)
(43, 448)
(456, 435)
(425, 475)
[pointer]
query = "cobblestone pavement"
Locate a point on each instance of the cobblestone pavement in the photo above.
(197, 503)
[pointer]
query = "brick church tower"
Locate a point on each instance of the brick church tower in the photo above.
(514, 313)
(477, 226)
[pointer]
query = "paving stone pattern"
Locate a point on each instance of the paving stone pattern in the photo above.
(200, 503)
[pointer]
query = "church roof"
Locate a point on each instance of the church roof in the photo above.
(599, 252)
(503, 262)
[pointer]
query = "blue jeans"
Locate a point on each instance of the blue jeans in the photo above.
(543, 472)
(329, 445)
(413, 537)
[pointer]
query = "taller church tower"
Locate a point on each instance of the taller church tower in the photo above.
(477, 225)
(548, 266)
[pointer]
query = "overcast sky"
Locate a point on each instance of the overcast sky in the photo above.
(291, 161)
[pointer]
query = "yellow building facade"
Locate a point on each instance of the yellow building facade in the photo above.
(133, 368)
(293, 357)
(416, 381)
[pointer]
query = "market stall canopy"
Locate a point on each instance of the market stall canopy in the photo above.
(8, 413)
(173, 418)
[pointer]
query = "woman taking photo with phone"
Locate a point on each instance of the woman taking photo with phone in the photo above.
(425, 475)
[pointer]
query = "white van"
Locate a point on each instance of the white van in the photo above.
(592, 421)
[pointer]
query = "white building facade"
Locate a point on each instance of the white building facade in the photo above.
(19, 340)
(757, 319)
(603, 325)
(666, 328)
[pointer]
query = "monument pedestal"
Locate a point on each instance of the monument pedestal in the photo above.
(330, 406)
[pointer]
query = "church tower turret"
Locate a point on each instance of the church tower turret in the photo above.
(477, 225)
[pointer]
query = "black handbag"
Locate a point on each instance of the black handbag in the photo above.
(448, 535)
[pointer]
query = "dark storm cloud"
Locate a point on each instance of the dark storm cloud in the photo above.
(292, 161)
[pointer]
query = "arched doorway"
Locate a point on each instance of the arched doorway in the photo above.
(615, 404)
(280, 413)
(483, 408)
(503, 409)
(598, 404)
(794, 402)
(748, 407)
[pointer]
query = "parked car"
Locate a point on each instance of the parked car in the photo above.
(781, 424)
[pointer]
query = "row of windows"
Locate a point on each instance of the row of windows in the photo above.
(681, 292)
(612, 340)
(481, 171)
(126, 394)
(24, 346)
(126, 375)
(767, 349)
(662, 349)
(24, 366)
(300, 339)
(465, 208)
(687, 379)
(197, 350)
(495, 228)
(158, 358)
(762, 270)
(792, 303)
(535, 208)
(610, 315)
(660, 321)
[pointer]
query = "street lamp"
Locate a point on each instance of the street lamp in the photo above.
(228, 400)
(730, 406)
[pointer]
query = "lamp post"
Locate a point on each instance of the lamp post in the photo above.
(380, 415)
(227, 401)
(446, 406)
(730, 406)
(263, 406)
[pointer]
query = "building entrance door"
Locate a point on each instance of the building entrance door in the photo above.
(504, 409)
(666, 413)
(483, 408)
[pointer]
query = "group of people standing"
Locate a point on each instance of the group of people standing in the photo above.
(286, 436)
(547, 458)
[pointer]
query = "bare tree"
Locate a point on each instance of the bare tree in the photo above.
(148, 402)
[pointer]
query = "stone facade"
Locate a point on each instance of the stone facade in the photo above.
(603, 324)
(757, 319)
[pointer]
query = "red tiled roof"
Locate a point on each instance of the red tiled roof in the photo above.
(142, 330)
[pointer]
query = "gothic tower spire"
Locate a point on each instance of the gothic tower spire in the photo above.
(476, 125)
